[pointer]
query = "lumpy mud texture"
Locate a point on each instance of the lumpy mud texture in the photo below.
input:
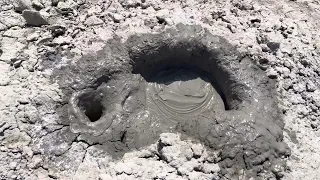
(183, 80)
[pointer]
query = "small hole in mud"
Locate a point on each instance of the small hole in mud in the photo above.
(90, 104)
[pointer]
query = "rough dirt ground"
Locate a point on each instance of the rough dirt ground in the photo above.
(282, 36)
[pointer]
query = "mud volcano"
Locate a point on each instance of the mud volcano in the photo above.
(184, 80)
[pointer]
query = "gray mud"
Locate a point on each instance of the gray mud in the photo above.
(182, 80)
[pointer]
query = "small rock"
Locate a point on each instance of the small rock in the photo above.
(274, 46)
(57, 30)
(272, 74)
(45, 38)
(37, 4)
(33, 36)
(117, 17)
(13, 165)
(314, 125)
(62, 40)
(162, 15)
(145, 5)
(287, 84)
(145, 154)
(129, 3)
(75, 33)
(168, 139)
(264, 48)
(311, 87)
(301, 109)
(299, 87)
(54, 2)
(66, 7)
(289, 64)
(93, 20)
(23, 100)
(210, 168)
(81, 2)
(10, 48)
(16, 62)
(297, 99)
(28, 151)
(21, 5)
(123, 168)
(244, 5)
(197, 150)
(15, 32)
(11, 18)
(104, 33)
(316, 98)
(94, 10)
(35, 162)
(34, 18)
(17, 139)
(2, 27)
(46, 3)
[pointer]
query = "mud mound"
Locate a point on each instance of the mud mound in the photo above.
(184, 80)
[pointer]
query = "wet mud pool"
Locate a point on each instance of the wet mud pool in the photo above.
(184, 80)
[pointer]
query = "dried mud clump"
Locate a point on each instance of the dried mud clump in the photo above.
(183, 80)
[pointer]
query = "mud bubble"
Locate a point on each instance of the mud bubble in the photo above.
(183, 80)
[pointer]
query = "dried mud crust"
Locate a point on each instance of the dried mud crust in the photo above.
(246, 133)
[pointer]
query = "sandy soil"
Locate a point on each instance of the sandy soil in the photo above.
(37, 36)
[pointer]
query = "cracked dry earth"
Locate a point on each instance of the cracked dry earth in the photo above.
(49, 48)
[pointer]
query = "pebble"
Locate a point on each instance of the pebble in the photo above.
(314, 125)
(34, 18)
(33, 36)
(28, 151)
(93, 21)
(197, 150)
(272, 74)
(21, 5)
(62, 40)
(37, 4)
(67, 6)
(10, 19)
(210, 168)
(36, 162)
(57, 30)
(117, 17)
(297, 99)
(274, 46)
(11, 48)
(299, 87)
(311, 87)
(13, 165)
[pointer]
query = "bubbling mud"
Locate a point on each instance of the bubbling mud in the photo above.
(181, 94)
(183, 80)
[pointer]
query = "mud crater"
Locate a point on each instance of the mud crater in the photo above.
(182, 80)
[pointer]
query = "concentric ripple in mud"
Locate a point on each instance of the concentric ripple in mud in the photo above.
(178, 94)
